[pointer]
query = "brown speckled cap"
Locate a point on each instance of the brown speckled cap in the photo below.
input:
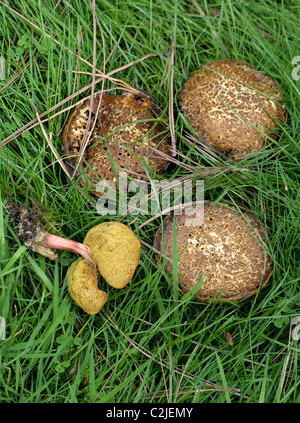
(119, 129)
(228, 103)
(225, 249)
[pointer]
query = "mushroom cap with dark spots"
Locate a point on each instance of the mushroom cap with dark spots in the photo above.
(231, 106)
(127, 130)
(226, 249)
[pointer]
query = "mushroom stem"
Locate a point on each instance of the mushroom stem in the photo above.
(46, 244)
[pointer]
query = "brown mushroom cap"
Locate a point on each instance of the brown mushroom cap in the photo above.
(119, 128)
(115, 250)
(224, 249)
(228, 103)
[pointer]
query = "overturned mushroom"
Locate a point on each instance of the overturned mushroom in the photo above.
(82, 282)
(226, 250)
(232, 106)
(115, 254)
(115, 250)
(110, 250)
(127, 130)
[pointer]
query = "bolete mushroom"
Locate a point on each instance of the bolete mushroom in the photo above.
(110, 249)
(226, 250)
(127, 129)
(115, 253)
(231, 106)
(115, 250)
(83, 288)
(30, 229)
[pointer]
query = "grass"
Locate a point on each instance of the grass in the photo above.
(149, 344)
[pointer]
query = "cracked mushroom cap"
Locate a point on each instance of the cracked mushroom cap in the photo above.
(224, 249)
(232, 106)
(128, 126)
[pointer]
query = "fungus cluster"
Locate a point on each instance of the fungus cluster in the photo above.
(109, 250)
(233, 108)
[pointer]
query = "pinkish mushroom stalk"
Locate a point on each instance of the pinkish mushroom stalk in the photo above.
(46, 244)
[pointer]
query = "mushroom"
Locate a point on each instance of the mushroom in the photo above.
(231, 106)
(127, 129)
(110, 249)
(115, 254)
(225, 249)
(30, 230)
(115, 250)
(82, 280)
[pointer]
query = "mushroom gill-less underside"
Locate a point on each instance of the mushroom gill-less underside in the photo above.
(226, 250)
(127, 131)
(231, 106)
(115, 250)
(114, 253)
